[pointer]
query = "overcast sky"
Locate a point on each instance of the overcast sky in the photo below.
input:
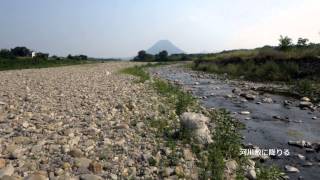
(119, 28)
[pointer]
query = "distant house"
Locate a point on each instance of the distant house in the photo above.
(33, 54)
(42, 55)
(39, 55)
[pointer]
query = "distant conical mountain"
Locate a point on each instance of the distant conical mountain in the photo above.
(164, 45)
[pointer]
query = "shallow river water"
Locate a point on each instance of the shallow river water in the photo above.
(268, 126)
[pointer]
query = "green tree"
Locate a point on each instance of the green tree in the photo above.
(5, 53)
(83, 57)
(55, 57)
(285, 42)
(70, 56)
(162, 56)
(185, 57)
(143, 56)
(21, 51)
(302, 42)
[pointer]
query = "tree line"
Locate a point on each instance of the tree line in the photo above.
(22, 51)
(286, 43)
(162, 56)
(144, 56)
(15, 52)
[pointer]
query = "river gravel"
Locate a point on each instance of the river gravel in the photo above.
(83, 122)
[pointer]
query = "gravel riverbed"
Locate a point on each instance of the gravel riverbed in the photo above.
(83, 122)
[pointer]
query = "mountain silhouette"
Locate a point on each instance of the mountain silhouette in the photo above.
(164, 45)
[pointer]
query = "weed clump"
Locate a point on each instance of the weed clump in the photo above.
(226, 146)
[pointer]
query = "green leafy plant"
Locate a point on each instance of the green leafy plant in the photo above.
(269, 173)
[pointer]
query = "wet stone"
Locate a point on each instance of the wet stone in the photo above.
(291, 169)
(245, 113)
(307, 164)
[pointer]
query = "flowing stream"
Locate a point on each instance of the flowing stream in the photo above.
(273, 121)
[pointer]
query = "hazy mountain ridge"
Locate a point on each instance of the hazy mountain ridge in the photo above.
(164, 45)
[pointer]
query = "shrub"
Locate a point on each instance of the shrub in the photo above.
(212, 68)
(304, 86)
(270, 71)
(291, 70)
(232, 69)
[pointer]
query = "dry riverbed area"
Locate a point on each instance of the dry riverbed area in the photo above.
(86, 122)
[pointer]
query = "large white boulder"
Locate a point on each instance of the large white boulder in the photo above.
(196, 125)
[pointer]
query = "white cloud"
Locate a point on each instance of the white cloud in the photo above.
(300, 20)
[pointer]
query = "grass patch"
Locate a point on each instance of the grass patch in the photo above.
(29, 63)
(270, 173)
(181, 99)
(137, 71)
(181, 102)
(140, 72)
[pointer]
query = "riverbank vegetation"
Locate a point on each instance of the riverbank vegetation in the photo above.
(28, 63)
(297, 64)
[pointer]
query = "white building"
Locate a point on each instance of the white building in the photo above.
(33, 54)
